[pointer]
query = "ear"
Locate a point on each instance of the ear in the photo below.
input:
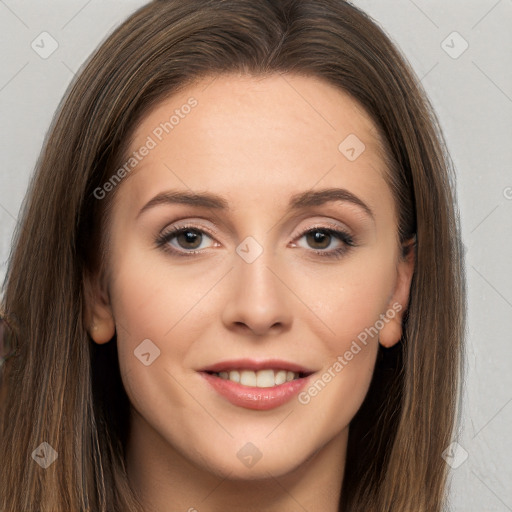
(391, 333)
(99, 319)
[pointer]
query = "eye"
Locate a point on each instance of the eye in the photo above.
(320, 238)
(187, 240)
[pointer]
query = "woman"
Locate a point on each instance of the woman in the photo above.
(306, 353)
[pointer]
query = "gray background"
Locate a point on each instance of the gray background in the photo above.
(472, 95)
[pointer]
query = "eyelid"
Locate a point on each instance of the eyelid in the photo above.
(325, 224)
(192, 223)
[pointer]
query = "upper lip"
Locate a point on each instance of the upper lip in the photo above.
(251, 364)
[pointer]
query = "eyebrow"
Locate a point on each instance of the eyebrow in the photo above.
(297, 202)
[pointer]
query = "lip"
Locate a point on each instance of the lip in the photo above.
(252, 397)
(254, 365)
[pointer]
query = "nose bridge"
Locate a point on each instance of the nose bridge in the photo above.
(253, 272)
(258, 298)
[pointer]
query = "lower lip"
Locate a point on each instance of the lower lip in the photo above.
(252, 397)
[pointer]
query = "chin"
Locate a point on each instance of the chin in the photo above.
(248, 463)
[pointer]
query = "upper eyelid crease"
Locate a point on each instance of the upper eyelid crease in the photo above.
(297, 202)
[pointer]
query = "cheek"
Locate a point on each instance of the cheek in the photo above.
(150, 314)
(350, 304)
(150, 295)
(349, 301)
(159, 310)
(347, 298)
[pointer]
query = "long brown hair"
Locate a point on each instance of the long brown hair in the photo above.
(61, 388)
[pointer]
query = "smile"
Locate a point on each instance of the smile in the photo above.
(261, 379)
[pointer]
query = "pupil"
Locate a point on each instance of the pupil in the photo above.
(319, 236)
(189, 237)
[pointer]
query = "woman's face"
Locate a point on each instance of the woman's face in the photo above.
(255, 282)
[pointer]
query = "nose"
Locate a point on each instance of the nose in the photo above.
(259, 299)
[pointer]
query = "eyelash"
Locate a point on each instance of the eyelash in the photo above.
(162, 241)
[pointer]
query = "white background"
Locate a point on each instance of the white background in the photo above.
(472, 95)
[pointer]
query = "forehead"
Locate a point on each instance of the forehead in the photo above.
(246, 136)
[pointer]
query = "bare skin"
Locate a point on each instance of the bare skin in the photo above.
(256, 142)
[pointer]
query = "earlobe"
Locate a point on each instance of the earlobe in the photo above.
(391, 333)
(99, 320)
(103, 330)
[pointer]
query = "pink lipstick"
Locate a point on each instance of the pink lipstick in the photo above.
(258, 385)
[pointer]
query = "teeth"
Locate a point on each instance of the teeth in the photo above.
(234, 376)
(265, 379)
(280, 377)
(248, 378)
(260, 379)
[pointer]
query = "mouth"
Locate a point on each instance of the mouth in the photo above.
(266, 378)
(258, 385)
